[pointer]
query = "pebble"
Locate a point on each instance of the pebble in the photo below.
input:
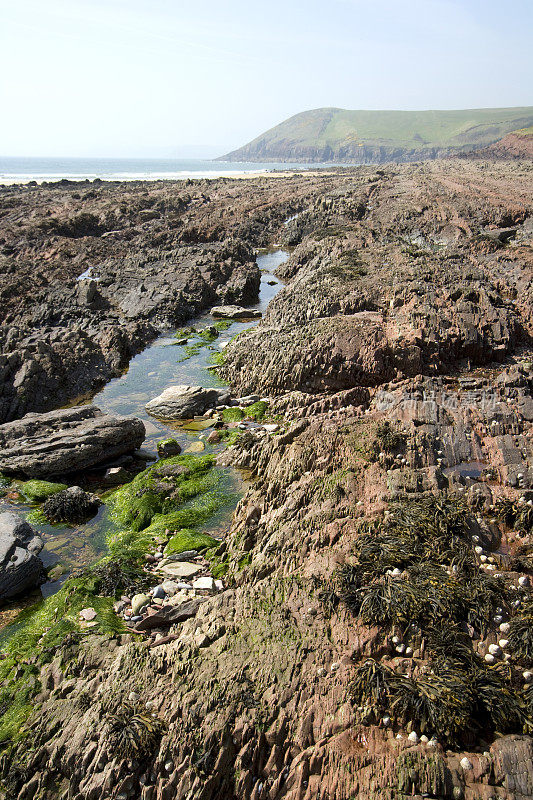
(169, 766)
(490, 659)
(138, 602)
(159, 592)
(424, 739)
(495, 649)
(432, 742)
(386, 721)
(335, 666)
(527, 675)
(503, 643)
(523, 580)
(206, 583)
(466, 763)
(271, 428)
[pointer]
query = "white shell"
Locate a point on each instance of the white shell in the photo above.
(527, 675)
(424, 738)
(503, 643)
(400, 648)
(489, 659)
(408, 651)
(386, 721)
(495, 649)
(466, 763)
(483, 558)
(432, 742)
(505, 627)
(396, 572)
(399, 736)
(413, 737)
(395, 640)
(498, 618)
(523, 580)
(478, 549)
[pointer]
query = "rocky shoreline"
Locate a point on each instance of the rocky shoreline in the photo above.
(364, 628)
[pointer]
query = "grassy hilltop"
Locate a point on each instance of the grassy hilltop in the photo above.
(336, 134)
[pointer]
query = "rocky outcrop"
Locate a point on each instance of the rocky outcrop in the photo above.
(20, 566)
(65, 441)
(397, 363)
(186, 402)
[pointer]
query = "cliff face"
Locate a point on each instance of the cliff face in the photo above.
(515, 145)
(397, 363)
(350, 154)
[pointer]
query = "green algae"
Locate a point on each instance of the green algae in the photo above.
(35, 491)
(158, 490)
(188, 539)
(233, 414)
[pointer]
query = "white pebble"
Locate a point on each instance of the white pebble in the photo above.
(490, 659)
(505, 627)
(527, 675)
(424, 738)
(466, 763)
(503, 643)
(495, 649)
(386, 721)
(413, 737)
(523, 580)
(478, 550)
(432, 742)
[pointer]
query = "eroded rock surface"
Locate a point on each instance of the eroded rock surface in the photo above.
(185, 402)
(64, 441)
(397, 363)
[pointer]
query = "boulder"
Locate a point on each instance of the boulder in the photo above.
(68, 440)
(20, 565)
(235, 312)
(186, 402)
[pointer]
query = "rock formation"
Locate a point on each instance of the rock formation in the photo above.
(20, 566)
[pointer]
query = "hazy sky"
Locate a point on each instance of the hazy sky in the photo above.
(156, 77)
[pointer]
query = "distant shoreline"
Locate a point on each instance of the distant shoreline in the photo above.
(23, 171)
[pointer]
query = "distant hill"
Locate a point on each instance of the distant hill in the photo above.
(338, 135)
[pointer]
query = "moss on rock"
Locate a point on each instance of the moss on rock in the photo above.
(36, 491)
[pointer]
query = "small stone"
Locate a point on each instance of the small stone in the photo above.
(180, 569)
(386, 721)
(495, 649)
(334, 666)
(169, 766)
(206, 584)
(490, 658)
(478, 550)
(413, 737)
(168, 448)
(527, 675)
(523, 580)
(424, 739)
(271, 428)
(88, 614)
(466, 763)
(503, 643)
(432, 742)
(138, 602)
(159, 592)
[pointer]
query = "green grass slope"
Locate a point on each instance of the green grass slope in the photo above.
(335, 134)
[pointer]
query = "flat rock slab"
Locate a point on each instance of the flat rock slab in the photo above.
(20, 566)
(180, 569)
(168, 615)
(235, 312)
(68, 440)
(186, 402)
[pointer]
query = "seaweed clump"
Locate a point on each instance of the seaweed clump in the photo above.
(415, 571)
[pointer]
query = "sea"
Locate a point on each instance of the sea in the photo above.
(23, 170)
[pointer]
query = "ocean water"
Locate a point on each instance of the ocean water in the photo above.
(24, 170)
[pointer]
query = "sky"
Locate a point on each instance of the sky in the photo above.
(169, 78)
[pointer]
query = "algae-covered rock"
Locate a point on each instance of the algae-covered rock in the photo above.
(189, 540)
(168, 447)
(36, 490)
(71, 505)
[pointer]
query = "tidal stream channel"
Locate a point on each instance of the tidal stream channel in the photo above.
(163, 363)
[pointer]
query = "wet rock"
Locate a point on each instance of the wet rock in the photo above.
(114, 476)
(168, 448)
(138, 602)
(235, 312)
(20, 566)
(168, 615)
(186, 402)
(68, 440)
